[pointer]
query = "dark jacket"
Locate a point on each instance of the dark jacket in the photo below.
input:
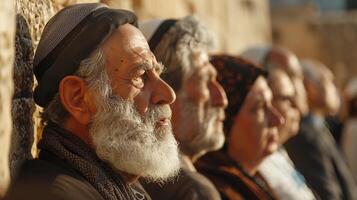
(316, 155)
(231, 181)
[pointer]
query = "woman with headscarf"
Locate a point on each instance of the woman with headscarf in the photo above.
(250, 128)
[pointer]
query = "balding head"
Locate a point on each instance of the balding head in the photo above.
(319, 82)
(281, 58)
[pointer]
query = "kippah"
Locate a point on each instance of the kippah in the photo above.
(155, 30)
(257, 55)
(70, 37)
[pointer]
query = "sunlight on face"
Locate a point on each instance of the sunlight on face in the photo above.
(255, 127)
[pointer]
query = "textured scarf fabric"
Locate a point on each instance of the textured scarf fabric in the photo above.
(76, 153)
(231, 180)
(237, 76)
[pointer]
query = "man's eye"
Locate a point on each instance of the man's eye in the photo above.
(139, 79)
(138, 82)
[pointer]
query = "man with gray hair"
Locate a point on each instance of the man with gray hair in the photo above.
(106, 110)
(198, 111)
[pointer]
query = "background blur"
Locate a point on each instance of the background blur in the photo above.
(322, 29)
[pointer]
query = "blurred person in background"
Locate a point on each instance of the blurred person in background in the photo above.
(270, 57)
(314, 150)
(250, 128)
(198, 112)
(349, 134)
(278, 168)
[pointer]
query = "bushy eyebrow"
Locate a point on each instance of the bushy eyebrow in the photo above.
(158, 67)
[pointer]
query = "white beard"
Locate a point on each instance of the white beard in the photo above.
(132, 143)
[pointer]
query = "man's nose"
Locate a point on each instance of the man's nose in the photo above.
(218, 95)
(275, 119)
(162, 93)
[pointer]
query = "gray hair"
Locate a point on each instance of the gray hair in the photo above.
(92, 70)
(176, 47)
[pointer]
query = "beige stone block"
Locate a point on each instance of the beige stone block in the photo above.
(120, 4)
(23, 132)
(32, 16)
(237, 24)
(59, 4)
(7, 41)
(330, 38)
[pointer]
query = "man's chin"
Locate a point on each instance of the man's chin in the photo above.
(155, 162)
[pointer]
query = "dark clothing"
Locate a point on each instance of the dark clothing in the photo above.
(189, 185)
(315, 154)
(231, 180)
(68, 169)
(335, 125)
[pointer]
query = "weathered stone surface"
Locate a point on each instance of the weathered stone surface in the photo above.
(7, 41)
(339, 42)
(22, 134)
(122, 4)
(31, 18)
(330, 38)
(237, 23)
(59, 4)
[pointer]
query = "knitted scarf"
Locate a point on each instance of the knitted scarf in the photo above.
(80, 157)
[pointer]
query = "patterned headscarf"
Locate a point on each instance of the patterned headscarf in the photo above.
(237, 76)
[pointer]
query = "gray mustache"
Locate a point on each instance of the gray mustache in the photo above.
(157, 112)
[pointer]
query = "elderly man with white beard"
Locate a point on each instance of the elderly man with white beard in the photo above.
(106, 110)
(198, 111)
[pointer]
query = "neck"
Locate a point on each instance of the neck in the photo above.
(191, 152)
(79, 130)
(249, 163)
(187, 163)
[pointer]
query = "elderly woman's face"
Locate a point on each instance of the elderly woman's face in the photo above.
(255, 127)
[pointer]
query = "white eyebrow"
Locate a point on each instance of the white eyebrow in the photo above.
(143, 66)
(159, 67)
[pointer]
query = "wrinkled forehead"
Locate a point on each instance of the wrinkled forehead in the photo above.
(280, 83)
(128, 44)
(260, 90)
(294, 67)
(199, 59)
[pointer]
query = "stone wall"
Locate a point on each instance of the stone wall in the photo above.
(31, 16)
(330, 38)
(237, 23)
(7, 41)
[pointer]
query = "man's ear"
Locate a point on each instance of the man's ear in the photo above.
(72, 91)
